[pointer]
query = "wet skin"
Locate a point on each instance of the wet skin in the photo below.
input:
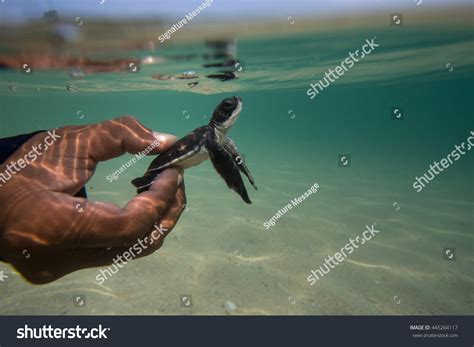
(62, 233)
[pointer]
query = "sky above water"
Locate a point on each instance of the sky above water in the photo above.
(23, 10)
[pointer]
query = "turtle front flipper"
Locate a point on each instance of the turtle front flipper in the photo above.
(227, 169)
(231, 147)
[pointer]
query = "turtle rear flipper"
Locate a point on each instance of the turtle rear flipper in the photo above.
(143, 183)
(227, 169)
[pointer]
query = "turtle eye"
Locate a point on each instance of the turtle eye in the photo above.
(228, 103)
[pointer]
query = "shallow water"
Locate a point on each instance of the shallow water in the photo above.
(220, 250)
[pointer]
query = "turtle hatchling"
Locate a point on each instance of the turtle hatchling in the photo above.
(207, 142)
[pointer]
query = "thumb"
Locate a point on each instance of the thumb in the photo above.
(116, 137)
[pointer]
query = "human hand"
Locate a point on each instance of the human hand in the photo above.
(46, 232)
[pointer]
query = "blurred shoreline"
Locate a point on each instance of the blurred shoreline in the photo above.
(81, 35)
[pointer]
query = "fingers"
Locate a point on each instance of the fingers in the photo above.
(122, 135)
(166, 224)
(84, 223)
(171, 216)
(47, 268)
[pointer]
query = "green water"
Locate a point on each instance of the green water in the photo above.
(220, 250)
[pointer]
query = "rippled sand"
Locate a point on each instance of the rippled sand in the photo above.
(220, 252)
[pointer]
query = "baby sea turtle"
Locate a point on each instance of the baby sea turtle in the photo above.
(209, 141)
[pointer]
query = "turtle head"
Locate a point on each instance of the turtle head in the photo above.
(226, 113)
